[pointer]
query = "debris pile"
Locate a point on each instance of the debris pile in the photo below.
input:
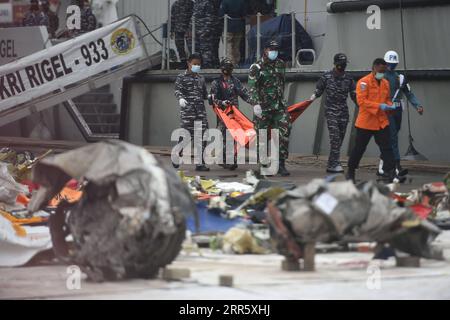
(341, 212)
(232, 214)
(321, 212)
(431, 202)
(22, 235)
(129, 222)
(113, 209)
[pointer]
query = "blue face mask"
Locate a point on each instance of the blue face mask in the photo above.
(379, 76)
(272, 55)
(392, 66)
(195, 68)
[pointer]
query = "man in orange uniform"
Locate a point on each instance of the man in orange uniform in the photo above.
(373, 96)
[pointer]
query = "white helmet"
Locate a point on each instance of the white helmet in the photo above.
(391, 57)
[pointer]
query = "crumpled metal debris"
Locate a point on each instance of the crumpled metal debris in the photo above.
(434, 195)
(442, 209)
(339, 211)
(431, 201)
(130, 220)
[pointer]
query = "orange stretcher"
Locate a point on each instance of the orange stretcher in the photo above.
(242, 129)
(296, 110)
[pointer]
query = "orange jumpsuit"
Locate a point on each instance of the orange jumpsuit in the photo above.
(372, 121)
(370, 94)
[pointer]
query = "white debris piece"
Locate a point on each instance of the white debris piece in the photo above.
(234, 187)
(17, 250)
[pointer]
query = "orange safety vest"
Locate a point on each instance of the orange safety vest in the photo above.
(370, 93)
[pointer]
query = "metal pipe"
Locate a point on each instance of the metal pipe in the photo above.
(305, 15)
(225, 35)
(164, 46)
(258, 36)
(169, 29)
(411, 152)
(247, 49)
(412, 75)
(347, 6)
(163, 63)
(193, 34)
(293, 36)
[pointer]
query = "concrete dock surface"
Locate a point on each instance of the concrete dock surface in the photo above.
(339, 275)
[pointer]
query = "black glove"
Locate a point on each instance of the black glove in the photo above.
(226, 103)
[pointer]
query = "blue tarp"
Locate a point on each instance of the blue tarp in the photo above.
(279, 28)
(211, 221)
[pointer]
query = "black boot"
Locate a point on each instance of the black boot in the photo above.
(350, 175)
(282, 171)
(392, 176)
(383, 252)
(398, 179)
(400, 171)
(202, 168)
(234, 166)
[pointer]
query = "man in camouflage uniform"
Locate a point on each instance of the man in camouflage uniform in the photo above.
(208, 29)
(88, 19)
(266, 82)
(338, 85)
(51, 20)
(190, 91)
(33, 17)
(225, 91)
(181, 15)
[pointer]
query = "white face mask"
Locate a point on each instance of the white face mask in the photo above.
(379, 75)
(195, 68)
(272, 55)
